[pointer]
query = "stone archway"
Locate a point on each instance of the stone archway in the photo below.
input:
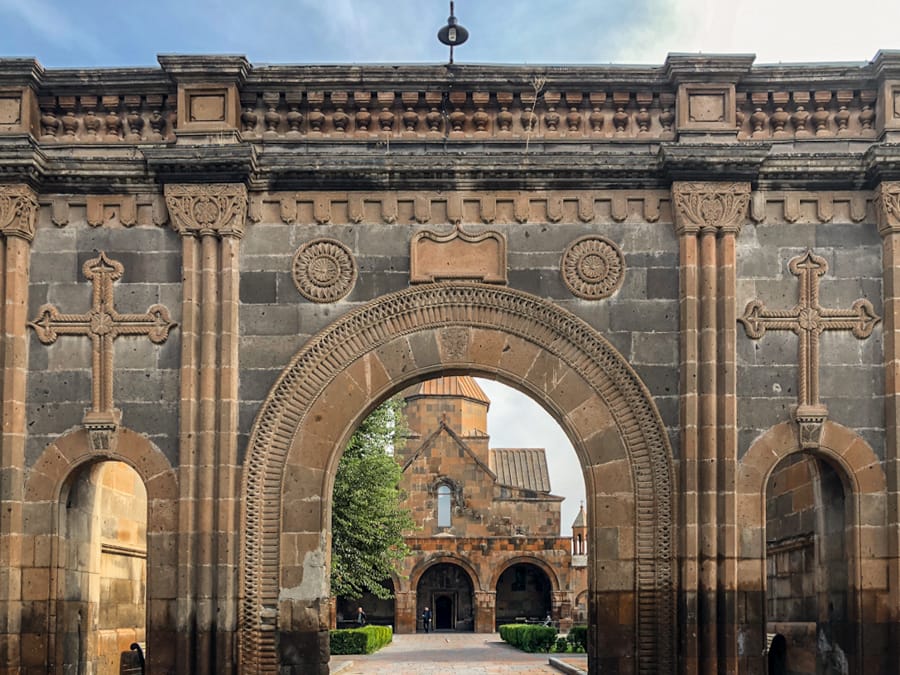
(396, 340)
(863, 483)
(52, 472)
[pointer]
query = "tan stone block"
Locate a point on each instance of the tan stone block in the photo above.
(369, 374)
(604, 448)
(837, 437)
(871, 479)
(163, 516)
(517, 357)
(590, 418)
(614, 575)
(301, 514)
(874, 574)
(486, 348)
(35, 583)
(74, 445)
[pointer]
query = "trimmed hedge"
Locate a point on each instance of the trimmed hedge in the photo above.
(363, 640)
(529, 637)
(578, 638)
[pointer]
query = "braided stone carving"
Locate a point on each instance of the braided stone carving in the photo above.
(324, 270)
(593, 267)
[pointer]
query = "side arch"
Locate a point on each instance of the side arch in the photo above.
(865, 487)
(526, 560)
(451, 559)
(405, 337)
(46, 480)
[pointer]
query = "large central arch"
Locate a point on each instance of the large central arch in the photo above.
(395, 340)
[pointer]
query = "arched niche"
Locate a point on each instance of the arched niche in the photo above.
(56, 471)
(851, 462)
(493, 332)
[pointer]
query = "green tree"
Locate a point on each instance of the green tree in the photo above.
(368, 520)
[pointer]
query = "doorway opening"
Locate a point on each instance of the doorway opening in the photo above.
(808, 612)
(101, 575)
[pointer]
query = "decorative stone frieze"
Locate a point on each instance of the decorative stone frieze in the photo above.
(215, 209)
(718, 206)
(324, 270)
(592, 267)
(18, 210)
(427, 207)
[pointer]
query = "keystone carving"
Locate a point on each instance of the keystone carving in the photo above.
(217, 209)
(18, 210)
(705, 206)
(593, 267)
(324, 270)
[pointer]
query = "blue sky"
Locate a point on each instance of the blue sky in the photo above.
(90, 33)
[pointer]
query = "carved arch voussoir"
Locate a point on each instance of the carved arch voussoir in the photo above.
(431, 308)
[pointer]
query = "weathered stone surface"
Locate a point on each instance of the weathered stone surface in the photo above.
(708, 174)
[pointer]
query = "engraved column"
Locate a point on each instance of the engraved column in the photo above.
(708, 217)
(18, 208)
(210, 219)
(888, 210)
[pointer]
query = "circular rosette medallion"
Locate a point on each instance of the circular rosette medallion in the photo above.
(593, 267)
(324, 270)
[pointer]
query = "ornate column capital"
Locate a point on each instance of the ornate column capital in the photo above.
(218, 209)
(710, 206)
(887, 207)
(18, 210)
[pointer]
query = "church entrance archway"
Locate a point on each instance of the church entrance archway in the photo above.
(397, 340)
(447, 588)
(523, 594)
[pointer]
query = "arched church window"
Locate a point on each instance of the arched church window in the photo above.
(443, 506)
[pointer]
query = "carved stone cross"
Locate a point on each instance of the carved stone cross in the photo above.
(808, 320)
(103, 324)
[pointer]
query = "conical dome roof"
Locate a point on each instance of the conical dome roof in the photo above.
(581, 518)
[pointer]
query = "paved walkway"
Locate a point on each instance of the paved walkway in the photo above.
(446, 654)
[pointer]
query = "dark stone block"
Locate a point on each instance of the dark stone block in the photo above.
(258, 288)
(645, 315)
(662, 283)
(50, 267)
(256, 383)
(269, 320)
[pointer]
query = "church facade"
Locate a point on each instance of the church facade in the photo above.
(213, 270)
(488, 548)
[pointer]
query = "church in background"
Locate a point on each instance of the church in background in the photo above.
(489, 549)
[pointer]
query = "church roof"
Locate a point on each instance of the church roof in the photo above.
(456, 386)
(524, 468)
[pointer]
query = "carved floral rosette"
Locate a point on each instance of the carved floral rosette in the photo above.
(324, 270)
(592, 267)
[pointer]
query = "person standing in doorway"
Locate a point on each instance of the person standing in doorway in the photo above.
(360, 617)
(426, 619)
